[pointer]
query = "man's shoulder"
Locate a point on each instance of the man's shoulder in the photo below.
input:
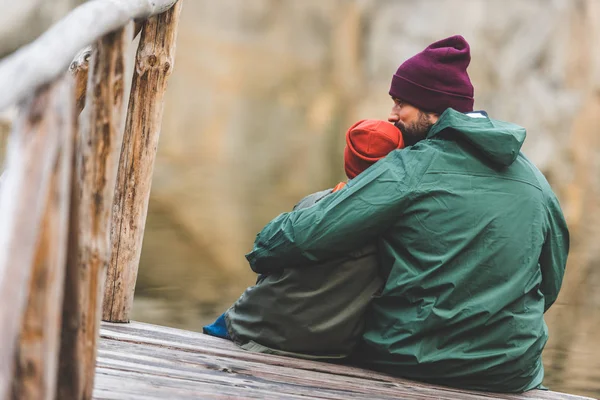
(536, 174)
(423, 156)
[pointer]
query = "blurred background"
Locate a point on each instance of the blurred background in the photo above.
(264, 90)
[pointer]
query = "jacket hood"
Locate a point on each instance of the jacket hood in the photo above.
(499, 141)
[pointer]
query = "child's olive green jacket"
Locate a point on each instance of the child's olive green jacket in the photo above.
(316, 312)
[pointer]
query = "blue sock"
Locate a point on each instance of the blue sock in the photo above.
(217, 328)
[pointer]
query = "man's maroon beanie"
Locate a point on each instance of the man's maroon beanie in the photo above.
(436, 78)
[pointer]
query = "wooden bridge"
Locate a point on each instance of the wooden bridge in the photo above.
(73, 203)
(142, 361)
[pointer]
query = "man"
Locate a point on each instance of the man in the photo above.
(470, 235)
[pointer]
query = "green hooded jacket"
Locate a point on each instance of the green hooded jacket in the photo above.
(472, 241)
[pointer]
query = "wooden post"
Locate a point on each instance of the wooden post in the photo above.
(32, 156)
(37, 353)
(154, 63)
(79, 68)
(100, 138)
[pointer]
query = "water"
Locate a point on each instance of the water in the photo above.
(571, 355)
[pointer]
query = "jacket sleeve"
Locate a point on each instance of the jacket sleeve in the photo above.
(342, 221)
(553, 258)
(311, 199)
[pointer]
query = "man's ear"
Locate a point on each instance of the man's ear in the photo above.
(433, 117)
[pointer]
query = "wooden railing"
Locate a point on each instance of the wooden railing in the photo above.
(75, 188)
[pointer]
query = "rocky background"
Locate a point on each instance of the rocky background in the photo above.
(261, 96)
(264, 90)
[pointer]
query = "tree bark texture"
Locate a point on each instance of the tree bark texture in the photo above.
(36, 362)
(25, 197)
(100, 137)
(154, 63)
(79, 68)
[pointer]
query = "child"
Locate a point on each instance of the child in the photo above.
(315, 312)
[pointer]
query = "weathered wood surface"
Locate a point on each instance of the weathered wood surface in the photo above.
(6, 118)
(32, 155)
(79, 68)
(100, 138)
(48, 56)
(154, 63)
(36, 362)
(142, 361)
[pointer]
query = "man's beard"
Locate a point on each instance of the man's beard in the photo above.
(416, 131)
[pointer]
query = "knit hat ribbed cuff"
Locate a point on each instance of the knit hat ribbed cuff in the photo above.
(428, 99)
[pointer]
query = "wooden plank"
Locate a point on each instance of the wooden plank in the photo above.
(223, 348)
(100, 139)
(37, 352)
(182, 353)
(123, 384)
(155, 60)
(186, 365)
(234, 374)
(220, 349)
(32, 154)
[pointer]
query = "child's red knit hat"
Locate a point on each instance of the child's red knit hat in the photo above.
(368, 141)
